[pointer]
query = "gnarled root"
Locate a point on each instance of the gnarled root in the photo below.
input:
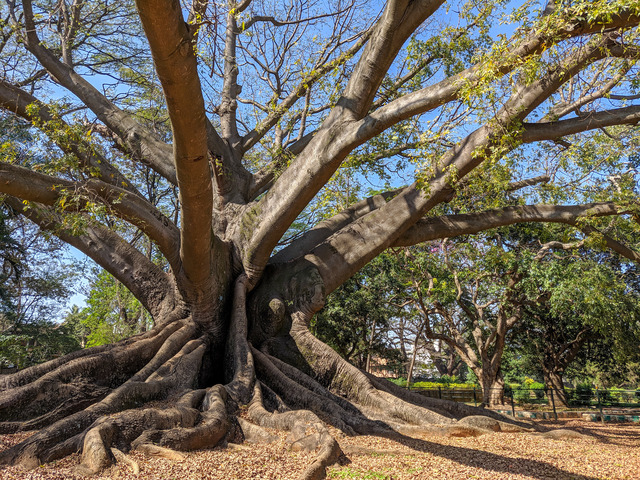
(307, 433)
(178, 361)
(96, 399)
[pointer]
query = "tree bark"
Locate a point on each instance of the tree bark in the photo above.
(231, 317)
(492, 385)
(553, 381)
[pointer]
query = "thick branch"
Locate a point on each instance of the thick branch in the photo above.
(328, 227)
(399, 20)
(449, 89)
(348, 250)
(470, 223)
(138, 139)
(279, 207)
(535, 132)
(175, 61)
(146, 281)
(28, 107)
(36, 187)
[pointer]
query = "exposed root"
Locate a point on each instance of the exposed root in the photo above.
(181, 428)
(340, 376)
(298, 396)
(160, 452)
(30, 374)
(94, 399)
(65, 436)
(212, 427)
(255, 434)
(308, 433)
(122, 457)
(35, 372)
(62, 388)
(123, 428)
(239, 355)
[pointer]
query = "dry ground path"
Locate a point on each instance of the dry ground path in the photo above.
(611, 451)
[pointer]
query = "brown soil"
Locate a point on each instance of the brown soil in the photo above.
(612, 451)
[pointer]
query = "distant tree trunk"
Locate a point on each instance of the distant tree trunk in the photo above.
(371, 337)
(446, 360)
(492, 387)
(553, 381)
(557, 356)
(414, 355)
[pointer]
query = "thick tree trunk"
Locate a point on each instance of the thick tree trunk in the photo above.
(492, 388)
(270, 362)
(555, 385)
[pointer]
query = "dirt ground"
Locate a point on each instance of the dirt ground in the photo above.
(611, 451)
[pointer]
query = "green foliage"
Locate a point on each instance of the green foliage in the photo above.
(33, 286)
(444, 382)
(355, 311)
(34, 343)
(581, 395)
(436, 385)
(12, 257)
(112, 313)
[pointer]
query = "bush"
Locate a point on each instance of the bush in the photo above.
(581, 395)
(538, 389)
(530, 392)
(522, 395)
(624, 396)
(402, 382)
(436, 385)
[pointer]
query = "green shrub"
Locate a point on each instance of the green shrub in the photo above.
(436, 385)
(522, 395)
(538, 389)
(581, 395)
(402, 382)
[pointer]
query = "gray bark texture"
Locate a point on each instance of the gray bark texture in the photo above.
(231, 305)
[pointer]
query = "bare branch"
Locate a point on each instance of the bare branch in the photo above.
(253, 137)
(528, 182)
(546, 248)
(563, 109)
(139, 140)
(281, 23)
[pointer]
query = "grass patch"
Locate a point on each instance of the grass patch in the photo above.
(347, 472)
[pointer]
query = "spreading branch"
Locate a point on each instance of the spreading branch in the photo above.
(154, 288)
(139, 140)
(28, 185)
(175, 61)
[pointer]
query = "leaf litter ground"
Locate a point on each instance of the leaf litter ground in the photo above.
(611, 451)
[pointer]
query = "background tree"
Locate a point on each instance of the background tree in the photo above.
(466, 295)
(245, 111)
(355, 320)
(574, 300)
(34, 287)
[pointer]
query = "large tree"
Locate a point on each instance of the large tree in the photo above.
(466, 295)
(246, 110)
(572, 301)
